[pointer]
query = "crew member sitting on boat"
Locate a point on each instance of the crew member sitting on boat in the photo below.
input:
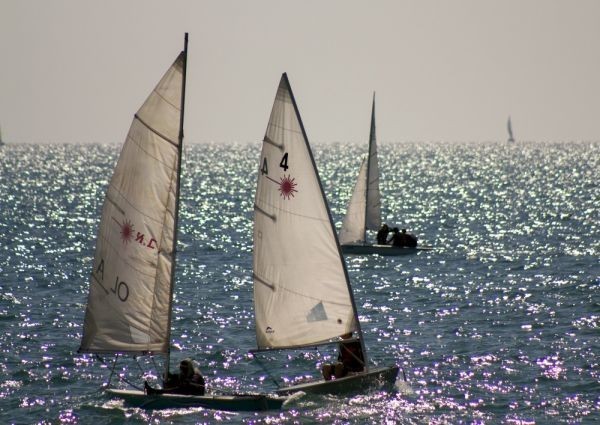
(382, 234)
(403, 239)
(350, 360)
(188, 381)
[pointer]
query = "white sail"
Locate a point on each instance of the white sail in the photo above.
(364, 208)
(354, 223)
(511, 138)
(301, 291)
(373, 197)
(128, 308)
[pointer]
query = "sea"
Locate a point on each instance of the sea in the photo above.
(498, 324)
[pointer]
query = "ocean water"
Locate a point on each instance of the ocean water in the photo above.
(499, 324)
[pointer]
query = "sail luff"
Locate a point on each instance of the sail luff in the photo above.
(177, 196)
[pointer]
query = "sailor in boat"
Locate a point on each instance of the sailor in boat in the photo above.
(403, 239)
(188, 381)
(350, 359)
(382, 234)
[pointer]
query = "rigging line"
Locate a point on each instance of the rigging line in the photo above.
(343, 347)
(262, 366)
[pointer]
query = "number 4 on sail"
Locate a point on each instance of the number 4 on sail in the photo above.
(302, 294)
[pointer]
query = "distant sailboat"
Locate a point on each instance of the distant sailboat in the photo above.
(1, 141)
(131, 287)
(302, 293)
(364, 208)
(511, 138)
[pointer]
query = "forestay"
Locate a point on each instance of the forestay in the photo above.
(128, 308)
(364, 208)
(301, 290)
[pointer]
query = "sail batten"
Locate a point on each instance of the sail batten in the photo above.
(130, 287)
(301, 291)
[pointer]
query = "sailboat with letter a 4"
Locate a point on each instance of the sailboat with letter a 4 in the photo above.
(302, 293)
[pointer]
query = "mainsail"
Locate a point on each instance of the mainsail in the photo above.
(129, 301)
(302, 295)
(364, 209)
(511, 138)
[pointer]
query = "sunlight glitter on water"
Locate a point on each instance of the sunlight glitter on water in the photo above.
(498, 324)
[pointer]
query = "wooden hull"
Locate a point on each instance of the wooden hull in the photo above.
(233, 402)
(387, 250)
(377, 378)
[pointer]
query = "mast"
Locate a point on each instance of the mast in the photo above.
(337, 242)
(177, 190)
(371, 137)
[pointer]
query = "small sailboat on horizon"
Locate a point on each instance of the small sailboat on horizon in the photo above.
(364, 208)
(130, 298)
(511, 137)
(302, 292)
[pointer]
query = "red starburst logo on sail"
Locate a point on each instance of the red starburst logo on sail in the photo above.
(287, 186)
(126, 231)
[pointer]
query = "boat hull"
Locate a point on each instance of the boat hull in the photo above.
(387, 250)
(233, 402)
(377, 378)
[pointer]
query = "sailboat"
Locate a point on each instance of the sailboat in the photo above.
(511, 138)
(302, 293)
(364, 208)
(1, 141)
(131, 286)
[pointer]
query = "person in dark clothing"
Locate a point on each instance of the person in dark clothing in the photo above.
(403, 239)
(382, 234)
(350, 359)
(410, 239)
(188, 381)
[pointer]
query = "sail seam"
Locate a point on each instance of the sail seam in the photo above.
(112, 247)
(314, 298)
(113, 202)
(280, 127)
(162, 136)
(291, 213)
(130, 204)
(141, 148)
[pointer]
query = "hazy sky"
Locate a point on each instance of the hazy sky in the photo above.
(76, 71)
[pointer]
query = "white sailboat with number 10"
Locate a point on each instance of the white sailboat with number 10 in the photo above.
(302, 294)
(131, 288)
